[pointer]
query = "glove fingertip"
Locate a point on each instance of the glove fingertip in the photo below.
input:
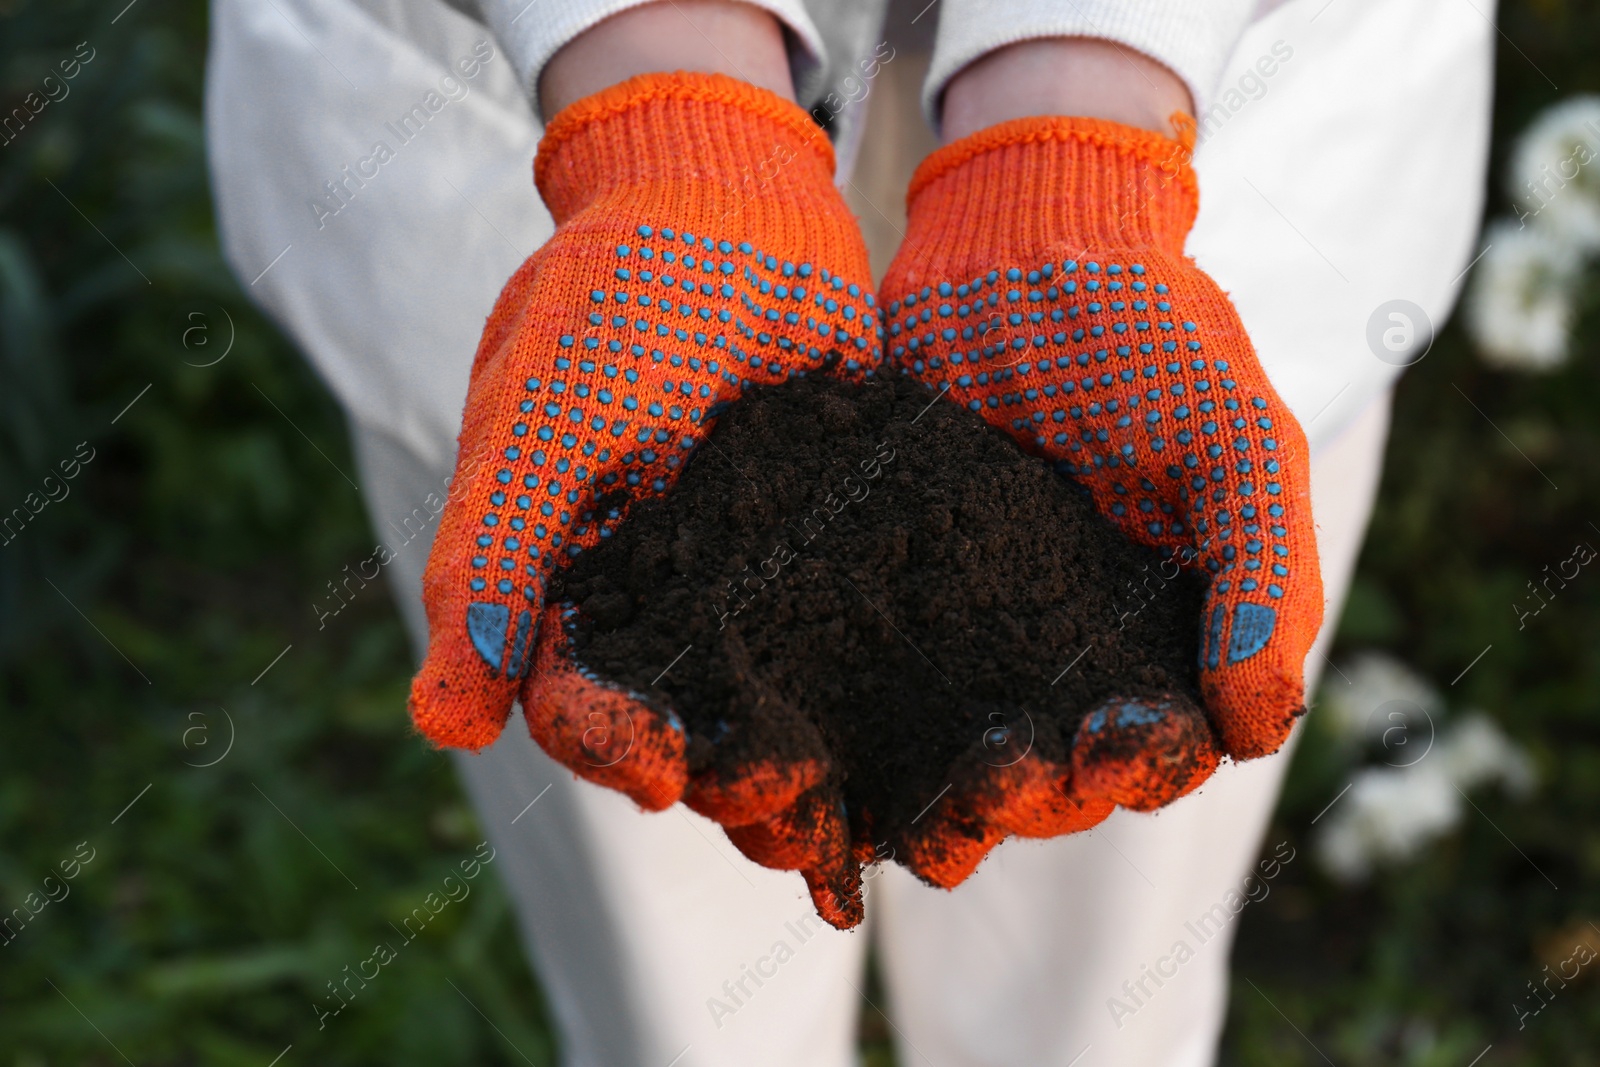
(757, 792)
(600, 731)
(458, 708)
(1143, 752)
(1050, 805)
(1253, 711)
(946, 852)
(836, 894)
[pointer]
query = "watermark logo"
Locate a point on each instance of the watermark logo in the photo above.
(205, 333)
(1404, 729)
(1399, 333)
(198, 736)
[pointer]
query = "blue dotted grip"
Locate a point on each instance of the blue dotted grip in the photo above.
(486, 625)
(1123, 715)
(1252, 628)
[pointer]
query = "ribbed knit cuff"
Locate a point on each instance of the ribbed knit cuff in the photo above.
(1077, 182)
(704, 143)
(531, 31)
(1192, 38)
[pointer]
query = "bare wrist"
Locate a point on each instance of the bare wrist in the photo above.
(704, 36)
(1079, 77)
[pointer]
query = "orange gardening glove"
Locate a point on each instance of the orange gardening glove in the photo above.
(1042, 282)
(701, 248)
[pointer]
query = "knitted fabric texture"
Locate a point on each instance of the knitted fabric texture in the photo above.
(1043, 284)
(701, 248)
(1140, 754)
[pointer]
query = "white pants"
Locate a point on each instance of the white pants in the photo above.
(654, 938)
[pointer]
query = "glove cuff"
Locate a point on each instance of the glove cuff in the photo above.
(1079, 183)
(721, 144)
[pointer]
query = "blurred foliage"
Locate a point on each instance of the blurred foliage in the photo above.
(138, 612)
(140, 608)
(1429, 963)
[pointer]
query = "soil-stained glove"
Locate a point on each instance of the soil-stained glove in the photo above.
(701, 247)
(1033, 797)
(1043, 283)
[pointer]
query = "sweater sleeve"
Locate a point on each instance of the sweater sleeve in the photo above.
(1193, 38)
(531, 31)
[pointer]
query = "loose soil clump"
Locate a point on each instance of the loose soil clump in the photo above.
(872, 569)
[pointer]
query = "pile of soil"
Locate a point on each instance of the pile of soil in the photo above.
(871, 571)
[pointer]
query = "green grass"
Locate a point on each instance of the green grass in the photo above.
(139, 611)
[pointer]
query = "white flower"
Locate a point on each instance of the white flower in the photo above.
(1521, 306)
(1555, 171)
(1475, 751)
(1373, 694)
(1389, 813)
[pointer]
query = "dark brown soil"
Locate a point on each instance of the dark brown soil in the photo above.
(871, 574)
